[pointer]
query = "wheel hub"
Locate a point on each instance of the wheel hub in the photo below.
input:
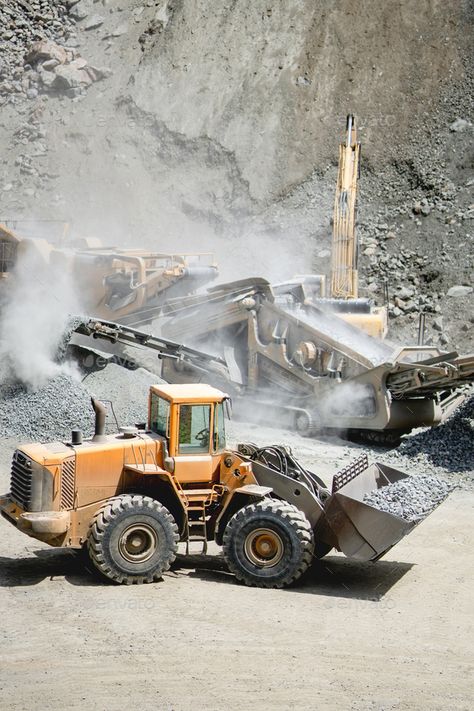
(264, 547)
(138, 543)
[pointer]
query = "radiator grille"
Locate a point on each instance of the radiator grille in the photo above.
(20, 483)
(67, 484)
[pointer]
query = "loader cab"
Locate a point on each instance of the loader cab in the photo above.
(192, 419)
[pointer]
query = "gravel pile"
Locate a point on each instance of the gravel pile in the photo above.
(412, 499)
(448, 447)
(64, 403)
(127, 390)
(62, 347)
(49, 413)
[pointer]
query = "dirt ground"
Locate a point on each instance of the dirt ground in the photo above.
(395, 635)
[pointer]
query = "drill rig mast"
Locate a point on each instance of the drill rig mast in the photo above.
(344, 250)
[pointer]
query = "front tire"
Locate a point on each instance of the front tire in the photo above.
(268, 544)
(132, 539)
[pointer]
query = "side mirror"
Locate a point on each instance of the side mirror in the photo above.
(227, 403)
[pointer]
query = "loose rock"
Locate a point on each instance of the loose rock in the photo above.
(459, 290)
(64, 403)
(460, 125)
(411, 499)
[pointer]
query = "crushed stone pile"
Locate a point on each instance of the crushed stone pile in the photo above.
(126, 389)
(47, 413)
(64, 403)
(449, 447)
(411, 499)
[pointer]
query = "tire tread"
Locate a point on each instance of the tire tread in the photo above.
(289, 514)
(106, 516)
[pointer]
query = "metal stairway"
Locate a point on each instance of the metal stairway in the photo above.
(196, 502)
(197, 531)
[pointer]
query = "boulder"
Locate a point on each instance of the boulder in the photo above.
(47, 78)
(373, 287)
(49, 65)
(70, 77)
(120, 30)
(44, 51)
(410, 307)
(93, 22)
(97, 73)
(460, 125)
(459, 290)
(405, 293)
(81, 9)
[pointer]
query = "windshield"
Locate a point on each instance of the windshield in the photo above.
(159, 415)
(219, 428)
(194, 429)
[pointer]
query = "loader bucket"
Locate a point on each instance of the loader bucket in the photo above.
(359, 530)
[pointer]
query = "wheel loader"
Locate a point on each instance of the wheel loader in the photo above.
(130, 497)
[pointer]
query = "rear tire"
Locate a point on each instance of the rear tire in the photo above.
(268, 544)
(132, 539)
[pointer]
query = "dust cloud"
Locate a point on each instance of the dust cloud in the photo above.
(34, 316)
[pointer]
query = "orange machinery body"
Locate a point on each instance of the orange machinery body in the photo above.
(129, 498)
(9, 243)
(77, 479)
(114, 283)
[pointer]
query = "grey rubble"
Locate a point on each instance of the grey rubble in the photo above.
(21, 24)
(38, 55)
(447, 448)
(411, 499)
(64, 403)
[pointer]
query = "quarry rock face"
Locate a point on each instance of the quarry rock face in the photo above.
(217, 129)
(273, 93)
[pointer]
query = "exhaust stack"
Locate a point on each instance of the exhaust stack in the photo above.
(100, 415)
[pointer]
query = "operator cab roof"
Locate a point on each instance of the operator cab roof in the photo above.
(189, 392)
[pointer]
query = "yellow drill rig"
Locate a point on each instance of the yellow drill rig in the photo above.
(344, 296)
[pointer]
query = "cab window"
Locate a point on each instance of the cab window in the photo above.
(219, 428)
(159, 415)
(194, 429)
